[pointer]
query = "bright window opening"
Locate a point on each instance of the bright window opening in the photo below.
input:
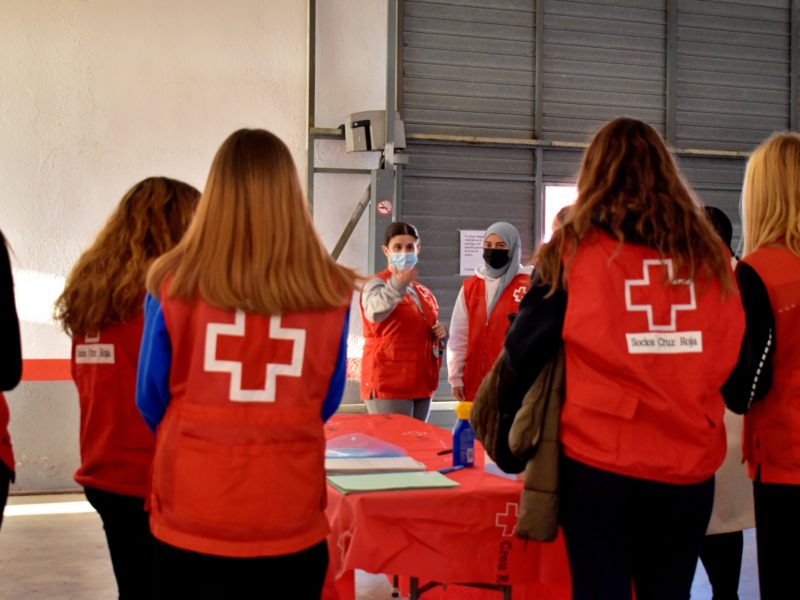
(556, 197)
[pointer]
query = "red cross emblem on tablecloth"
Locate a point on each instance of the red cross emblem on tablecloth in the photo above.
(507, 520)
(660, 302)
(343, 543)
(285, 345)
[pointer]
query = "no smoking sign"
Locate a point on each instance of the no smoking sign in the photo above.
(384, 207)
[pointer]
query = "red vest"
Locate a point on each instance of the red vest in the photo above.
(644, 365)
(399, 360)
(239, 465)
(485, 337)
(6, 451)
(116, 444)
(771, 439)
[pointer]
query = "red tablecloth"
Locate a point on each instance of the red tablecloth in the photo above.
(450, 535)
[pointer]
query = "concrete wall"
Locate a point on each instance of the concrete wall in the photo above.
(98, 94)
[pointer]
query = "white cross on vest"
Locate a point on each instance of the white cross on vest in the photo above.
(655, 289)
(234, 368)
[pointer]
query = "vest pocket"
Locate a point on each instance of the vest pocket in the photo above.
(402, 370)
(615, 402)
(241, 493)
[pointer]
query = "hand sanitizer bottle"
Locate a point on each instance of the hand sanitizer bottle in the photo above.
(463, 437)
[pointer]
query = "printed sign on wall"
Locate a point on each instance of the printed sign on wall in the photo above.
(470, 251)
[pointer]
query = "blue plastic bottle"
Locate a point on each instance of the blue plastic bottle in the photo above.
(463, 437)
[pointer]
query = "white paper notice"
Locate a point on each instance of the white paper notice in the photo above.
(471, 250)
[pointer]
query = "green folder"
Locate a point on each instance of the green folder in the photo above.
(378, 482)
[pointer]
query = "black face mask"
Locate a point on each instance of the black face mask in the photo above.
(496, 257)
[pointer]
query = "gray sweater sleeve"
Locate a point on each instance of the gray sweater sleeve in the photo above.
(379, 298)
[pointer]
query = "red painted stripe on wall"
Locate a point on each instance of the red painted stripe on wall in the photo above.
(46, 369)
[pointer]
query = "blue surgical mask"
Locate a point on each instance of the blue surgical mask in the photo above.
(403, 260)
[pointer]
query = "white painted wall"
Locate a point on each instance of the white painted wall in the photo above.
(350, 77)
(97, 94)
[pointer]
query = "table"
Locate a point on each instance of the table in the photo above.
(463, 534)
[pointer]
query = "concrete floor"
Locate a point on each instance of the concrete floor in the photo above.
(64, 556)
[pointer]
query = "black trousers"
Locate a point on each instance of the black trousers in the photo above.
(777, 534)
(721, 554)
(5, 481)
(622, 532)
(129, 541)
(185, 574)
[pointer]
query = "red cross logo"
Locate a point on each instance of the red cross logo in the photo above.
(519, 293)
(273, 369)
(92, 352)
(661, 303)
(507, 520)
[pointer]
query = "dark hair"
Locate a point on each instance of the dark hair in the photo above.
(561, 215)
(399, 228)
(630, 186)
(106, 285)
(721, 223)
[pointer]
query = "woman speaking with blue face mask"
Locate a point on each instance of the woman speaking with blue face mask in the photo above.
(484, 308)
(403, 338)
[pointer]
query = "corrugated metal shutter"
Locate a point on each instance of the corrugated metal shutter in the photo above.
(718, 182)
(468, 67)
(732, 72)
(600, 62)
(561, 166)
(447, 188)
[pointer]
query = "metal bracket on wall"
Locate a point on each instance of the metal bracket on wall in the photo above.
(384, 192)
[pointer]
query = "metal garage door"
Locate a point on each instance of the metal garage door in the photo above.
(732, 73)
(600, 62)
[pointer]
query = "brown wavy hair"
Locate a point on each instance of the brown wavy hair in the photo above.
(106, 285)
(630, 187)
(771, 194)
(252, 245)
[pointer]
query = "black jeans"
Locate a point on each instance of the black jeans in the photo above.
(777, 539)
(129, 541)
(721, 554)
(622, 532)
(185, 574)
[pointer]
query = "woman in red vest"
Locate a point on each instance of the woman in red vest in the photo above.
(638, 289)
(485, 306)
(403, 337)
(769, 278)
(243, 359)
(10, 368)
(101, 309)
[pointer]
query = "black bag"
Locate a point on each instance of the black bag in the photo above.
(492, 418)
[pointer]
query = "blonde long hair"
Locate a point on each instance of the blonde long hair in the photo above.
(629, 184)
(771, 194)
(106, 285)
(252, 244)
